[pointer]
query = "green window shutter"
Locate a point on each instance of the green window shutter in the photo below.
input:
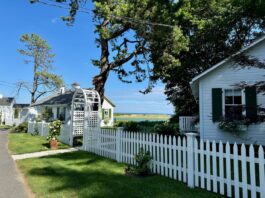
(217, 104)
(251, 102)
(109, 113)
(102, 111)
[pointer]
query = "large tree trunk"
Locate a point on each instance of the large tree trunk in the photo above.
(35, 81)
(99, 81)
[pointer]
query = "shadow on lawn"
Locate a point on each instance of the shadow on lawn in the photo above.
(88, 175)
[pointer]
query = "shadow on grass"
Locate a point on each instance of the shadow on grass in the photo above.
(47, 145)
(88, 175)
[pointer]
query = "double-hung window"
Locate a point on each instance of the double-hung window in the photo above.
(233, 104)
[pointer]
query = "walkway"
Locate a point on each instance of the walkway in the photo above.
(42, 153)
(11, 182)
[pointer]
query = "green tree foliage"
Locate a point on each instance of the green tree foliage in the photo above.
(179, 38)
(39, 53)
(128, 33)
(215, 29)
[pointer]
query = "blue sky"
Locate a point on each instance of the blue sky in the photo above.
(74, 48)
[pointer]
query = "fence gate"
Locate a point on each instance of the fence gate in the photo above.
(86, 106)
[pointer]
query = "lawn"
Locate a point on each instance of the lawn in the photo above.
(82, 174)
(19, 143)
(5, 127)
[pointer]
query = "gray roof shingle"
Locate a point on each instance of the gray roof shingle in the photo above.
(56, 98)
(6, 101)
(21, 106)
(63, 99)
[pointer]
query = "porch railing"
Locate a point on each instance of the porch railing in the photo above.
(186, 124)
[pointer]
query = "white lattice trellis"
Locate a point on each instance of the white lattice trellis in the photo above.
(86, 107)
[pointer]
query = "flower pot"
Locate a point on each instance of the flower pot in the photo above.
(54, 144)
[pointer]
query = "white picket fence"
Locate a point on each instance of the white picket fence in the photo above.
(42, 128)
(12, 121)
(233, 171)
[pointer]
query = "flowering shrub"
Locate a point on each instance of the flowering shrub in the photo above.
(55, 130)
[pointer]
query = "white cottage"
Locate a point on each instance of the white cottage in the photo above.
(219, 99)
(6, 108)
(58, 106)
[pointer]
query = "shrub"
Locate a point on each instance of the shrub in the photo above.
(55, 130)
(36, 130)
(167, 129)
(143, 126)
(22, 128)
(131, 126)
(143, 160)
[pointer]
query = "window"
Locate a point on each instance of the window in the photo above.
(61, 113)
(106, 113)
(58, 112)
(233, 104)
(16, 113)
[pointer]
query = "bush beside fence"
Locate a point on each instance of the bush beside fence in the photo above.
(42, 129)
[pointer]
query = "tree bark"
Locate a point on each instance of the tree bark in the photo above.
(99, 81)
(35, 81)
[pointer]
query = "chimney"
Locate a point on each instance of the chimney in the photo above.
(62, 90)
(75, 86)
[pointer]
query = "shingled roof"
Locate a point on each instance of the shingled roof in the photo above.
(56, 98)
(21, 106)
(6, 101)
(61, 99)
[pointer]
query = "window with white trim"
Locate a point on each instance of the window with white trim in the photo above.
(106, 113)
(233, 104)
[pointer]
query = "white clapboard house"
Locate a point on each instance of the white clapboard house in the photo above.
(6, 108)
(58, 106)
(220, 101)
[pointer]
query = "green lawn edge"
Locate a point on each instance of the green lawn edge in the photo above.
(21, 143)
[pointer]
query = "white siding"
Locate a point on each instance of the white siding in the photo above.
(224, 77)
(107, 105)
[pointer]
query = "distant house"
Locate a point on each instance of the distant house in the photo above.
(12, 113)
(21, 113)
(58, 106)
(6, 108)
(221, 101)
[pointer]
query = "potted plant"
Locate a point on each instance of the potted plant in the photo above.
(54, 132)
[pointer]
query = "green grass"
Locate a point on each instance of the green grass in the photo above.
(82, 174)
(20, 143)
(5, 127)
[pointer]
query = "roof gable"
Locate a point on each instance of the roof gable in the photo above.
(226, 60)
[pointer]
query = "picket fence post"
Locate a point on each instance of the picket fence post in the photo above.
(29, 123)
(42, 127)
(118, 143)
(190, 158)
